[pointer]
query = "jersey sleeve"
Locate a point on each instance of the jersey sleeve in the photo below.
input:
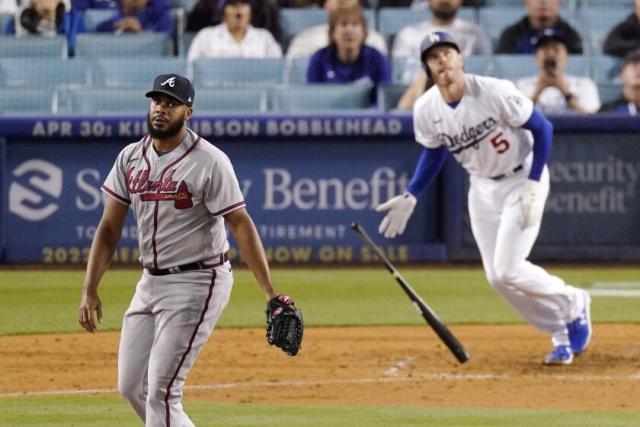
(513, 106)
(115, 184)
(222, 191)
(422, 129)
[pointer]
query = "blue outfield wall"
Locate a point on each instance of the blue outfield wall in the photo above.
(306, 179)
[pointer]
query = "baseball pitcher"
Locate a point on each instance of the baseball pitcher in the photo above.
(181, 189)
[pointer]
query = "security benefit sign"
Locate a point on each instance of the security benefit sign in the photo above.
(54, 202)
(302, 195)
(595, 184)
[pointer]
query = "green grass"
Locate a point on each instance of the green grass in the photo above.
(47, 301)
(94, 411)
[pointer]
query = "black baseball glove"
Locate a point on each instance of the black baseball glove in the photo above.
(284, 324)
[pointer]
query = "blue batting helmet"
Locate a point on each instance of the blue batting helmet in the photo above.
(434, 39)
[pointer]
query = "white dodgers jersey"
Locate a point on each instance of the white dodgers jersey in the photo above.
(178, 199)
(483, 131)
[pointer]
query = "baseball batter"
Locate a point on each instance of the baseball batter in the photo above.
(495, 133)
(181, 190)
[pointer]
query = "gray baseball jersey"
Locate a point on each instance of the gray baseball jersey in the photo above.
(178, 199)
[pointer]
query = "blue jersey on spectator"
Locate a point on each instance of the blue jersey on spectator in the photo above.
(371, 67)
(155, 17)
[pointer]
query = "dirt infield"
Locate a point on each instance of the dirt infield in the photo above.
(356, 366)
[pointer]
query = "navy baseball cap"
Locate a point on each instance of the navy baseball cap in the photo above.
(546, 35)
(175, 86)
(434, 39)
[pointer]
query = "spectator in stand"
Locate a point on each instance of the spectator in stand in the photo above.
(471, 39)
(348, 59)
(553, 91)
(541, 14)
(308, 41)
(629, 100)
(47, 18)
(624, 38)
(208, 13)
(135, 16)
(235, 37)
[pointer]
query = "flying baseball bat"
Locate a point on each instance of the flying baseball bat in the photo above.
(429, 315)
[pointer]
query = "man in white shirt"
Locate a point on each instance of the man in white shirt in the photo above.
(235, 37)
(308, 41)
(553, 91)
(471, 38)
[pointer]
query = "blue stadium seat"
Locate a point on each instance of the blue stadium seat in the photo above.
(389, 95)
(185, 43)
(140, 72)
(321, 98)
(22, 102)
(294, 20)
(393, 19)
(93, 17)
(404, 69)
(514, 66)
(101, 45)
(297, 70)
(595, 23)
(231, 100)
(34, 46)
(604, 68)
(479, 64)
(220, 71)
(103, 101)
(495, 19)
(609, 91)
(44, 72)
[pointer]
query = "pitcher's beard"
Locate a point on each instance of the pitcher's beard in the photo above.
(172, 130)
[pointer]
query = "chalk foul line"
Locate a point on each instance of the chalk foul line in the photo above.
(442, 376)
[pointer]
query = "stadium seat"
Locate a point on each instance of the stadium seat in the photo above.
(139, 72)
(609, 91)
(404, 69)
(103, 101)
(514, 66)
(389, 95)
(44, 72)
(93, 17)
(294, 20)
(101, 45)
(604, 68)
(220, 71)
(20, 102)
(231, 100)
(495, 19)
(185, 42)
(297, 70)
(479, 64)
(393, 19)
(321, 98)
(596, 22)
(34, 46)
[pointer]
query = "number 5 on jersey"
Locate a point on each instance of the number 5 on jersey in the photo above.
(500, 144)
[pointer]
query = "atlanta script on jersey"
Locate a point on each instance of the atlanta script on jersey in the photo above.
(176, 196)
(483, 131)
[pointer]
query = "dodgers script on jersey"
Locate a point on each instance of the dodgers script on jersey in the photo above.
(483, 131)
(182, 193)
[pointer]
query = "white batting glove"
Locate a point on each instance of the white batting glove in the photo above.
(400, 209)
(531, 202)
